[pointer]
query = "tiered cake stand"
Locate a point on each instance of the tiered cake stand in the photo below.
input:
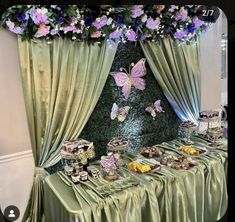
(188, 131)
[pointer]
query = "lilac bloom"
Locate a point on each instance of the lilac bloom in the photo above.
(153, 24)
(100, 22)
(54, 32)
(182, 15)
(143, 37)
(137, 11)
(197, 22)
(131, 35)
(180, 34)
(11, 26)
(115, 35)
(69, 28)
(173, 8)
(38, 16)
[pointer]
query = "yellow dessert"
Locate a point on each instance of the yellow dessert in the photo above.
(189, 150)
(137, 167)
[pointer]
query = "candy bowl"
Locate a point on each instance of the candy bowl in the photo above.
(75, 178)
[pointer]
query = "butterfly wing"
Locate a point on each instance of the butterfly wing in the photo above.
(120, 78)
(126, 89)
(151, 110)
(138, 83)
(138, 69)
(157, 106)
(114, 111)
(137, 72)
(123, 113)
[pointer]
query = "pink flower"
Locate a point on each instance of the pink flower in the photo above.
(137, 11)
(115, 34)
(131, 35)
(43, 30)
(153, 24)
(96, 34)
(100, 22)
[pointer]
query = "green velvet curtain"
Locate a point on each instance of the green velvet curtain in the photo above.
(176, 68)
(62, 82)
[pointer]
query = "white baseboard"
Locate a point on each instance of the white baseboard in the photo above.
(15, 156)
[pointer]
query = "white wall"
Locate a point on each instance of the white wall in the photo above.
(213, 88)
(16, 172)
(14, 135)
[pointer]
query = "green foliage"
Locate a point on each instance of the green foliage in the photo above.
(139, 127)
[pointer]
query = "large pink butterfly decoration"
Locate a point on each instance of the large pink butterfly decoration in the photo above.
(132, 78)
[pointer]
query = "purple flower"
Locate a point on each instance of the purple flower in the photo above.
(39, 16)
(137, 11)
(173, 8)
(59, 19)
(121, 20)
(54, 32)
(180, 34)
(11, 26)
(182, 15)
(69, 28)
(100, 22)
(143, 37)
(131, 35)
(115, 35)
(191, 28)
(22, 16)
(88, 20)
(153, 24)
(197, 22)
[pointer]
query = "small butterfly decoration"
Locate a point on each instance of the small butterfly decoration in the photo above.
(132, 78)
(108, 163)
(155, 108)
(119, 113)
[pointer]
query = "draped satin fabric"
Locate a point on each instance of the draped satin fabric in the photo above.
(176, 68)
(62, 82)
(195, 195)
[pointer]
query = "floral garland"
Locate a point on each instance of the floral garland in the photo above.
(95, 23)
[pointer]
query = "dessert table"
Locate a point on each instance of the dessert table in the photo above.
(195, 195)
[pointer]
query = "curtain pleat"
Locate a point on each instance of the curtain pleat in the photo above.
(62, 83)
(176, 68)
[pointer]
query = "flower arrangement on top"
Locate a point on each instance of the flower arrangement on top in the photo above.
(95, 23)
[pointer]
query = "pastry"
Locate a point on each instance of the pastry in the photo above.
(208, 114)
(178, 162)
(152, 151)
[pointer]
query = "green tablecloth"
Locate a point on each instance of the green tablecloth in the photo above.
(168, 195)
